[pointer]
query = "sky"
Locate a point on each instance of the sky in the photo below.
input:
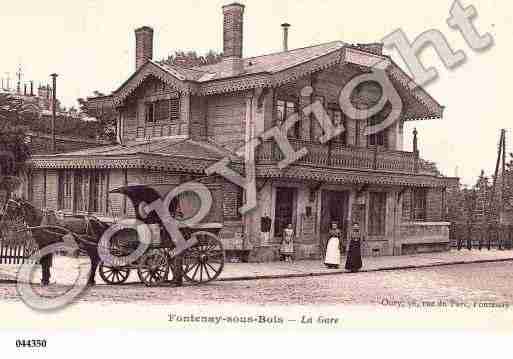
(91, 45)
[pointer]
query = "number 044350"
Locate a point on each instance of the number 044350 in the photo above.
(30, 343)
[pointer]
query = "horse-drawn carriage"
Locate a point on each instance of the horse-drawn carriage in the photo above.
(199, 263)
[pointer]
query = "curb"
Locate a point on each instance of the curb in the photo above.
(337, 272)
(319, 274)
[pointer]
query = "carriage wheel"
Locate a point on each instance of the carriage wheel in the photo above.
(113, 275)
(154, 267)
(204, 261)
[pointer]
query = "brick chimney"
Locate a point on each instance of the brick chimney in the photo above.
(233, 24)
(143, 46)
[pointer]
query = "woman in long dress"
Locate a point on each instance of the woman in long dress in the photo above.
(332, 259)
(287, 245)
(354, 254)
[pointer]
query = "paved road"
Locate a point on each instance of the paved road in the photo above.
(468, 283)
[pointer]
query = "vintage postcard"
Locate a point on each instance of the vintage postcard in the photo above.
(316, 166)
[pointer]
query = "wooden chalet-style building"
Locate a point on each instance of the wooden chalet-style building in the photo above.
(175, 122)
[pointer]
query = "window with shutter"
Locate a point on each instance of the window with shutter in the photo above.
(174, 109)
(162, 110)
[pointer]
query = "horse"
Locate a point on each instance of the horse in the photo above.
(46, 229)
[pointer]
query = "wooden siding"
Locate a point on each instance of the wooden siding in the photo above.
(133, 113)
(226, 120)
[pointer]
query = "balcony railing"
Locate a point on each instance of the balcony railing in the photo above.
(344, 157)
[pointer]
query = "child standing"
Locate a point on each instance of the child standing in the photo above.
(287, 245)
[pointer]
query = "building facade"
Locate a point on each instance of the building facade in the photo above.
(176, 122)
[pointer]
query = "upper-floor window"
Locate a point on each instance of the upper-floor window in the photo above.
(284, 109)
(162, 110)
(380, 138)
(377, 139)
(337, 118)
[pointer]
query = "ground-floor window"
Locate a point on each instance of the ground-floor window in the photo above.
(377, 213)
(97, 192)
(284, 211)
(419, 204)
(83, 190)
(65, 195)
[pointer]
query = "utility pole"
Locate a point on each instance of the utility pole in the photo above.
(19, 74)
(54, 103)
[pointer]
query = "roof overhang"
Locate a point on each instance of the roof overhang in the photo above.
(140, 161)
(420, 105)
(342, 176)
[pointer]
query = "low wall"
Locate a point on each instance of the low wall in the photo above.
(422, 237)
(271, 253)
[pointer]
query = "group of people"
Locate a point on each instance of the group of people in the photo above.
(333, 248)
(333, 255)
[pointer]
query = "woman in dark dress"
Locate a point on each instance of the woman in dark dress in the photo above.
(354, 254)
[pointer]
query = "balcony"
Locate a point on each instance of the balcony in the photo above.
(352, 158)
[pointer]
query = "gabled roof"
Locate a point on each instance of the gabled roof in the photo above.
(274, 70)
(271, 63)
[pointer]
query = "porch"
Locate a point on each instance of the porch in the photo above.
(388, 218)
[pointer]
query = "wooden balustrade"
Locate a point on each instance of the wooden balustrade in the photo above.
(338, 156)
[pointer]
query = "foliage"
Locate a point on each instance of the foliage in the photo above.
(14, 151)
(191, 59)
(106, 118)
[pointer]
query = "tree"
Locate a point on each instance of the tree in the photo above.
(106, 118)
(191, 59)
(14, 151)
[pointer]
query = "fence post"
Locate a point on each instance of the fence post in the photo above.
(469, 237)
(510, 235)
(500, 230)
(490, 229)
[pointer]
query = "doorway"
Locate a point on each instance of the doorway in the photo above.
(284, 213)
(334, 208)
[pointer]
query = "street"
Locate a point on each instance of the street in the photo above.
(467, 283)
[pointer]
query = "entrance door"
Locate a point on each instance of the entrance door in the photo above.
(333, 209)
(284, 213)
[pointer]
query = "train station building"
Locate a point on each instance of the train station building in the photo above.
(175, 122)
